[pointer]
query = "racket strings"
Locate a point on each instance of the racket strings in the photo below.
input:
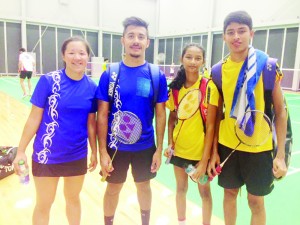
(189, 104)
(127, 128)
(254, 129)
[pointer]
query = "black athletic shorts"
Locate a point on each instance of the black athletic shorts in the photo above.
(252, 169)
(68, 169)
(140, 165)
(181, 162)
(25, 74)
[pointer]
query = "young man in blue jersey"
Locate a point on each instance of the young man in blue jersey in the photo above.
(252, 166)
(134, 92)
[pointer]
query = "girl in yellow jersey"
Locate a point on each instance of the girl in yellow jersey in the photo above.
(192, 144)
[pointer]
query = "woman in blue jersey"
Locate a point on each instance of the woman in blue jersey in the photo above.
(62, 118)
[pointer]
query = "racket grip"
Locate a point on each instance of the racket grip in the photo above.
(169, 158)
(103, 178)
(219, 170)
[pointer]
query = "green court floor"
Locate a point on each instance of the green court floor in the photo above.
(282, 205)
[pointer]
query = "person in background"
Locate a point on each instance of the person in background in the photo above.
(133, 92)
(62, 118)
(105, 64)
(192, 145)
(252, 166)
(26, 68)
(172, 71)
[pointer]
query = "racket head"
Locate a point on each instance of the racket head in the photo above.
(254, 128)
(189, 104)
(126, 127)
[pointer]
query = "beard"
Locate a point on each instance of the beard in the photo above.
(135, 55)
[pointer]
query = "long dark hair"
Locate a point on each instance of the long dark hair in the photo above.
(180, 79)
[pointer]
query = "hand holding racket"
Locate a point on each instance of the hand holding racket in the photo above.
(126, 129)
(252, 129)
(169, 152)
(187, 107)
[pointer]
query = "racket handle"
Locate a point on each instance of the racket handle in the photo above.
(103, 178)
(169, 158)
(219, 170)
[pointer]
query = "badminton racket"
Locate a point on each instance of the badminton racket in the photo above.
(253, 129)
(126, 128)
(187, 107)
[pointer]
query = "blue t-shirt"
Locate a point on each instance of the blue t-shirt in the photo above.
(62, 134)
(134, 91)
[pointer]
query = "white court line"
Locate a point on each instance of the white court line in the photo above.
(293, 98)
(293, 170)
(295, 152)
(12, 82)
(293, 107)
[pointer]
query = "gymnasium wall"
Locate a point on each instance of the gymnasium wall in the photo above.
(106, 15)
(177, 17)
(42, 26)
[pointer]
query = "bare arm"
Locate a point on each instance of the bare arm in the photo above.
(208, 141)
(279, 167)
(31, 126)
(171, 125)
(102, 128)
(214, 158)
(160, 113)
(210, 131)
(92, 140)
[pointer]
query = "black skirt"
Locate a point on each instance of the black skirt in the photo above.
(68, 169)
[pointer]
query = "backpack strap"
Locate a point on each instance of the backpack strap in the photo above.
(154, 75)
(175, 94)
(205, 95)
(269, 76)
(114, 73)
(216, 75)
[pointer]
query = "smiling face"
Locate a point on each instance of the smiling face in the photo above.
(237, 37)
(75, 57)
(135, 41)
(192, 60)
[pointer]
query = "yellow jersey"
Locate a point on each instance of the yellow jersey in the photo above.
(190, 140)
(227, 137)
